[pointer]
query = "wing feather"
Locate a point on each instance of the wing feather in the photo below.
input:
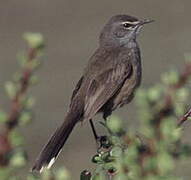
(104, 86)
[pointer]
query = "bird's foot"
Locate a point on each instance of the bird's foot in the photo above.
(103, 143)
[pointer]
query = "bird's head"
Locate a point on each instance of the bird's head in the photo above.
(121, 29)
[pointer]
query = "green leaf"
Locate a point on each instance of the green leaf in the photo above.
(32, 177)
(105, 156)
(3, 117)
(170, 78)
(148, 131)
(131, 155)
(169, 130)
(182, 94)
(165, 162)
(16, 138)
(62, 174)
(97, 159)
(34, 80)
(189, 118)
(141, 97)
(10, 89)
(154, 93)
(179, 109)
(18, 159)
(116, 151)
(115, 140)
(29, 102)
(35, 40)
(150, 164)
(114, 124)
(120, 176)
(25, 118)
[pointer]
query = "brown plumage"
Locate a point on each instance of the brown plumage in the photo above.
(108, 82)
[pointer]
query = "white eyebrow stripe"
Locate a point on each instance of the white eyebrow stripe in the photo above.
(129, 22)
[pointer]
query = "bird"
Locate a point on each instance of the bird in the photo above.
(109, 81)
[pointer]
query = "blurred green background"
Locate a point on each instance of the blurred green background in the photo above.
(71, 29)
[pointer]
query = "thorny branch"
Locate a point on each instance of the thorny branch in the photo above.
(183, 79)
(17, 106)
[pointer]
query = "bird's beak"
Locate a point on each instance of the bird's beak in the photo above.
(140, 24)
(146, 21)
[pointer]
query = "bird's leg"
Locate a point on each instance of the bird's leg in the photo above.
(93, 130)
(98, 139)
(101, 141)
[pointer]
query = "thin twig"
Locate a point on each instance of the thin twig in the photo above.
(184, 118)
(16, 106)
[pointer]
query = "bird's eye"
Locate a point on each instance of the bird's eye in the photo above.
(127, 25)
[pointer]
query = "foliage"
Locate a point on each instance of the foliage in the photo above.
(123, 154)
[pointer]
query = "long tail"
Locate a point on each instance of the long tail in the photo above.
(51, 150)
